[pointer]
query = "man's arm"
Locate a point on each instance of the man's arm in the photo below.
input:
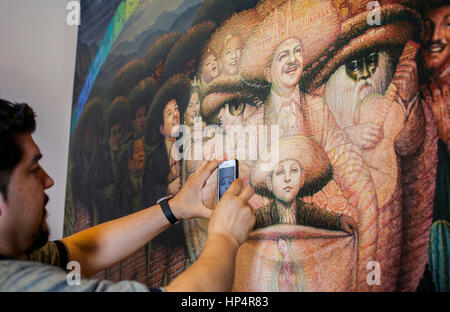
(229, 227)
(104, 245)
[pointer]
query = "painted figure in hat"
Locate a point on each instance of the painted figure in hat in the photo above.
(436, 93)
(84, 159)
(109, 174)
(162, 175)
(303, 169)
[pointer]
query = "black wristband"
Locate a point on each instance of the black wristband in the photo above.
(164, 204)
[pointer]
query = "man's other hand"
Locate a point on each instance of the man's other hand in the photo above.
(233, 216)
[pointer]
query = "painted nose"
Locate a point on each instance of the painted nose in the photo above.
(365, 74)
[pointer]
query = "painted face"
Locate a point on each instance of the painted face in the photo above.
(193, 109)
(138, 161)
(283, 247)
(231, 56)
(190, 68)
(286, 180)
(287, 65)
(362, 67)
(141, 119)
(159, 71)
(171, 116)
(115, 137)
(89, 137)
(25, 211)
(231, 114)
(437, 51)
(210, 68)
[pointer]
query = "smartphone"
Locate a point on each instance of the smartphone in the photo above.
(228, 172)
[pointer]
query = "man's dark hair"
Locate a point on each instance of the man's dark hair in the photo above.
(15, 119)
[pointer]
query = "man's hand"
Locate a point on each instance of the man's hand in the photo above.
(348, 224)
(366, 135)
(188, 202)
(233, 217)
(406, 80)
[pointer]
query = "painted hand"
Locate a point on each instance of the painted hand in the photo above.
(406, 80)
(348, 224)
(366, 135)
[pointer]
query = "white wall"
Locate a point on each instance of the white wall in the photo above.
(37, 63)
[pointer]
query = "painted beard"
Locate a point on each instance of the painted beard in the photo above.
(343, 94)
(43, 233)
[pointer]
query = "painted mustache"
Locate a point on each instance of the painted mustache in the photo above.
(436, 46)
(291, 67)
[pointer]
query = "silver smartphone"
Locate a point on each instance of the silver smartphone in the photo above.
(228, 172)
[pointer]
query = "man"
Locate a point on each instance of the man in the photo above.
(24, 231)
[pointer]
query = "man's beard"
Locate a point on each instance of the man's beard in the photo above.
(43, 233)
(343, 94)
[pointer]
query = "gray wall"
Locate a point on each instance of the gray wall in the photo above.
(37, 63)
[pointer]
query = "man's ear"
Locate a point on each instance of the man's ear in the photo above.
(267, 74)
(161, 129)
(269, 183)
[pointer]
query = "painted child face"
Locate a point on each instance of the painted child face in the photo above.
(231, 56)
(210, 68)
(286, 180)
(137, 163)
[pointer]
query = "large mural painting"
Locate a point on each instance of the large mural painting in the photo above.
(337, 111)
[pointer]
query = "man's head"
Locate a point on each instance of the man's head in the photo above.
(231, 55)
(136, 158)
(286, 180)
(171, 119)
(286, 68)
(23, 181)
(437, 49)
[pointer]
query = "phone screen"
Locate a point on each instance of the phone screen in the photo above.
(226, 177)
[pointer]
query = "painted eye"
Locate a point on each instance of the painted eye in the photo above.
(236, 110)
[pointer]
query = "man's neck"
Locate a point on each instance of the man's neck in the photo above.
(284, 92)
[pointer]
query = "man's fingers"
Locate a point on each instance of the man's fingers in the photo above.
(206, 213)
(208, 169)
(247, 193)
(235, 187)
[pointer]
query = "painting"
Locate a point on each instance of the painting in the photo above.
(336, 110)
